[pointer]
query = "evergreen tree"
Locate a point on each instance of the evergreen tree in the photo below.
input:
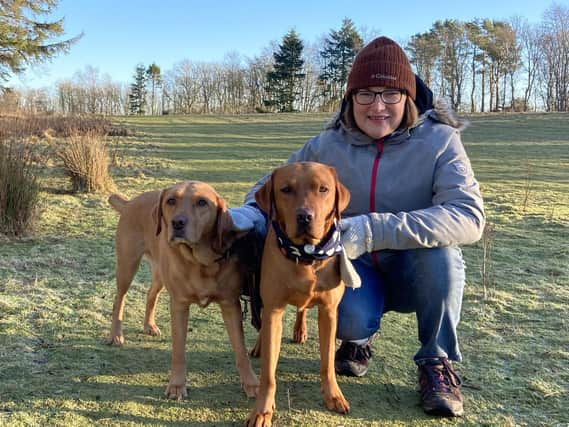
(283, 82)
(338, 54)
(137, 93)
(26, 40)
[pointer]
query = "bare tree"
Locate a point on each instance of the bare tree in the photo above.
(256, 79)
(309, 90)
(233, 78)
(183, 87)
(531, 55)
(89, 92)
(555, 67)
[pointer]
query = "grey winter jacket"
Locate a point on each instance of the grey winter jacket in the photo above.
(419, 191)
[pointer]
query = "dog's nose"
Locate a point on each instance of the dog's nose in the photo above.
(179, 223)
(304, 216)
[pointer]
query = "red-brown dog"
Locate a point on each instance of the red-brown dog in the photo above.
(304, 201)
(184, 232)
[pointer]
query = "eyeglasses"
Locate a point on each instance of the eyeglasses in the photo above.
(388, 96)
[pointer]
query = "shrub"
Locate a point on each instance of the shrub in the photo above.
(19, 187)
(86, 161)
(61, 126)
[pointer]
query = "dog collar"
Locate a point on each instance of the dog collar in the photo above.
(328, 247)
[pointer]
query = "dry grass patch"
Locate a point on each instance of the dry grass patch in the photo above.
(19, 187)
(85, 160)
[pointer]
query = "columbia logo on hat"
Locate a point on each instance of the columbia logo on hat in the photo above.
(382, 77)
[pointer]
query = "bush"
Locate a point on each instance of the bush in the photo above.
(86, 161)
(61, 126)
(19, 187)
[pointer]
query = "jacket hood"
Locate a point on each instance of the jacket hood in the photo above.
(443, 113)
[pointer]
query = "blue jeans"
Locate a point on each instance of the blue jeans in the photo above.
(429, 282)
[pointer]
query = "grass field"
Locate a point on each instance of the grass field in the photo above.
(57, 286)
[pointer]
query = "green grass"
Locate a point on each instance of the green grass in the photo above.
(56, 291)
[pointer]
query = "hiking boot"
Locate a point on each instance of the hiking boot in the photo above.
(352, 359)
(440, 388)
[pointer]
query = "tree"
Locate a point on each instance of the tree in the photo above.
(451, 35)
(338, 55)
(555, 66)
(256, 80)
(25, 38)
(284, 80)
(154, 76)
(424, 49)
(532, 56)
(503, 54)
(477, 57)
(137, 94)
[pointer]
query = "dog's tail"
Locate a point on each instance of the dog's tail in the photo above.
(118, 202)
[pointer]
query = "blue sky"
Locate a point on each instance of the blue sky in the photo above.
(119, 34)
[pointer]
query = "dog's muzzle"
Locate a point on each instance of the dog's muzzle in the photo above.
(304, 219)
(179, 224)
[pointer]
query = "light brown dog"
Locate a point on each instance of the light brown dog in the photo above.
(303, 200)
(184, 232)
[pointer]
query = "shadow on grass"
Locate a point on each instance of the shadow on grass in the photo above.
(78, 374)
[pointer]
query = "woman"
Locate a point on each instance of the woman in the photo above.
(414, 199)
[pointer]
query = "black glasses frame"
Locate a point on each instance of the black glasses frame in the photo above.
(380, 93)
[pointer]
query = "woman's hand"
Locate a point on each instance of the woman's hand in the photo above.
(357, 235)
(248, 217)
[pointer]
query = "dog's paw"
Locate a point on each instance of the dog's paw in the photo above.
(250, 386)
(337, 403)
(115, 339)
(300, 336)
(152, 329)
(176, 391)
(259, 420)
(262, 414)
(256, 350)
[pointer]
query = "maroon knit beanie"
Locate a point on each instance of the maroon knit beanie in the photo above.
(382, 62)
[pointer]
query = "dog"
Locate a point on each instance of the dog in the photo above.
(184, 231)
(299, 267)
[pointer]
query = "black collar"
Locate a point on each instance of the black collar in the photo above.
(328, 247)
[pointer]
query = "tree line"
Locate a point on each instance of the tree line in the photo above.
(478, 66)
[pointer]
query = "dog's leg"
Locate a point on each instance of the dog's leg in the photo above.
(271, 335)
(256, 350)
(300, 330)
(179, 314)
(333, 397)
(127, 266)
(232, 317)
(150, 326)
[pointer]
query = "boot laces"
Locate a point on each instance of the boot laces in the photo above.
(352, 351)
(441, 377)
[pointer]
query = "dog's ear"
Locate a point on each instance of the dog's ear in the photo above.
(265, 196)
(157, 213)
(342, 194)
(225, 235)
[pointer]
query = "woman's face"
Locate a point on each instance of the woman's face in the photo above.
(379, 119)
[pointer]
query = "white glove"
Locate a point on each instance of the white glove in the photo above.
(246, 218)
(357, 235)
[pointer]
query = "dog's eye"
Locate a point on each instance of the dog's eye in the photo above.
(171, 201)
(286, 190)
(202, 202)
(323, 189)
